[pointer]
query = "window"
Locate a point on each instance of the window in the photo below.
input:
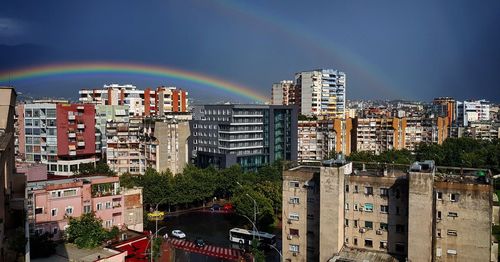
(294, 200)
(438, 215)
(355, 223)
(452, 214)
(55, 230)
(368, 243)
(69, 192)
(86, 209)
(384, 191)
(294, 232)
(347, 188)
(293, 248)
(108, 205)
(368, 190)
(38, 210)
(39, 231)
(439, 252)
(384, 226)
(294, 183)
(439, 195)
(451, 252)
(356, 189)
(69, 210)
(400, 228)
(368, 207)
(53, 212)
(383, 245)
(397, 210)
(293, 216)
(346, 206)
(108, 223)
(384, 209)
(369, 224)
(454, 197)
(452, 233)
(355, 207)
(355, 241)
(346, 222)
(99, 206)
(400, 247)
(438, 233)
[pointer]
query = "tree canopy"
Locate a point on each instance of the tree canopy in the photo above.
(87, 231)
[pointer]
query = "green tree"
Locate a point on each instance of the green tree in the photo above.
(86, 231)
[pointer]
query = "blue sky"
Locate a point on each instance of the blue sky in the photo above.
(388, 49)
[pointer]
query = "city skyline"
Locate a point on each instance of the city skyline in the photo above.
(387, 50)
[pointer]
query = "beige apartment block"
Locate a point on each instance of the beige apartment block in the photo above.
(380, 212)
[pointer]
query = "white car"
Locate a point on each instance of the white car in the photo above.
(178, 234)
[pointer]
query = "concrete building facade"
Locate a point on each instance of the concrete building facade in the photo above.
(373, 212)
(284, 93)
(322, 93)
(248, 135)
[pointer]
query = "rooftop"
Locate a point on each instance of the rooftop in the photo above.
(69, 252)
(42, 184)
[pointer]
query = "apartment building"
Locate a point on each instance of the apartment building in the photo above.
(105, 114)
(123, 153)
(484, 130)
(58, 134)
(248, 135)
(171, 100)
(372, 212)
(285, 93)
(140, 102)
(445, 107)
(51, 203)
(472, 110)
(322, 92)
(391, 133)
(378, 134)
(320, 139)
(164, 144)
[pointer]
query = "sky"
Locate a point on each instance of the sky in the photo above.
(414, 50)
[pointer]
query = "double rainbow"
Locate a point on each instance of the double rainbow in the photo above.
(132, 69)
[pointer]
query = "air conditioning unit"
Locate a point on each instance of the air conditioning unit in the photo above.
(294, 254)
(289, 237)
(289, 221)
(379, 232)
(362, 230)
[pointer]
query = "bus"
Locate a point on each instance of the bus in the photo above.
(244, 237)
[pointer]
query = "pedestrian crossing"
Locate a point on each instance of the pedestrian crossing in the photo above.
(208, 250)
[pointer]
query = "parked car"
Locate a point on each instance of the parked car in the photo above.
(215, 207)
(178, 234)
(199, 242)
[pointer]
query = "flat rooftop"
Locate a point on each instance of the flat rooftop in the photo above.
(359, 255)
(70, 252)
(42, 184)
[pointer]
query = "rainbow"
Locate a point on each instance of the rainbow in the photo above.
(299, 34)
(132, 69)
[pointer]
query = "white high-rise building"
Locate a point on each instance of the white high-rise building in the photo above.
(283, 93)
(322, 92)
(472, 111)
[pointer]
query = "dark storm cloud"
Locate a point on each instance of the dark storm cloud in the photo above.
(389, 49)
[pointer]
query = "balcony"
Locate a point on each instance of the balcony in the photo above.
(80, 143)
(71, 135)
(80, 108)
(72, 153)
(80, 126)
(71, 117)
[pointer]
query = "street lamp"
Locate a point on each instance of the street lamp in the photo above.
(281, 255)
(155, 234)
(156, 223)
(254, 211)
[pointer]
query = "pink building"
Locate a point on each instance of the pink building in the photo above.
(52, 202)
